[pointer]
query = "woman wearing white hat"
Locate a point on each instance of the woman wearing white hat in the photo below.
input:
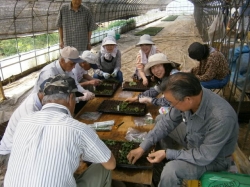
(109, 60)
(147, 49)
(81, 69)
(160, 67)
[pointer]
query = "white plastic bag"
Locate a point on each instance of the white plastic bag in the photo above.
(142, 121)
(217, 29)
(134, 135)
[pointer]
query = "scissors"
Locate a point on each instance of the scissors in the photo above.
(117, 126)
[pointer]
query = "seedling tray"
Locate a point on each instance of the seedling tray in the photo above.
(136, 86)
(106, 89)
(152, 31)
(120, 151)
(170, 18)
(111, 107)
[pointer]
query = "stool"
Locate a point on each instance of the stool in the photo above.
(220, 89)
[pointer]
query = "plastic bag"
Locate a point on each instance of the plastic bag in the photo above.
(126, 94)
(142, 121)
(91, 115)
(164, 110)
(217, 29)
(134, 135)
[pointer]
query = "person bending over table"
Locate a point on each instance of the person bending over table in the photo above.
(213, 70)
(31, 104)
(201, 121)
(160, 67)
(81, 69)
(49, 144)
(69, 57)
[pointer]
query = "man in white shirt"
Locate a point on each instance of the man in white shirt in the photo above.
(69, 57)
(48, 145)
(31, 104)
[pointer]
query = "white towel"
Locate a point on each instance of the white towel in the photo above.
(108, 55)
(144, 59)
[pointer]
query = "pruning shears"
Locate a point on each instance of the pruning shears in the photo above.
(117, 126)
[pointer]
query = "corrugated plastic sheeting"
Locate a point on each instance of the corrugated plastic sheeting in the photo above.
(33, 17)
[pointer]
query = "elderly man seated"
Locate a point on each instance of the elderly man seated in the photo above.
(201, 121)
(69, 57)
(31, 104)
(48, 145)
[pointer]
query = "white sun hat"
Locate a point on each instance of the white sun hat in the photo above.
(145, 39)
(109, 40)
(89, 57)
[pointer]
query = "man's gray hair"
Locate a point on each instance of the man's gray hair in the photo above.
(55, 97)
(181, 85)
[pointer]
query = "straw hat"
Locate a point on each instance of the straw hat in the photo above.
(145, 39)
(158, 58)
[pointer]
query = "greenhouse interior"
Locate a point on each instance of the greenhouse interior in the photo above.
(30, 40)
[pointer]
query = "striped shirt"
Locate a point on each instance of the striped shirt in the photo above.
(47, 148)
(52, 69)
(76, 25)
(28, 106)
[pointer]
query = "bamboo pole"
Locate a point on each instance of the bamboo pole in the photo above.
(2, 96)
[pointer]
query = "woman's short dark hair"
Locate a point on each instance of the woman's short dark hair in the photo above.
(198, 51)
(168, 68)
(181, 85)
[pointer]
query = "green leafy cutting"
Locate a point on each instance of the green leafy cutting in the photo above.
(132, 83)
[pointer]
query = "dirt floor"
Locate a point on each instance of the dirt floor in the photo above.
(173, 41)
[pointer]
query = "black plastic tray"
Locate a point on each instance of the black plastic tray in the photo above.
(106, 89)
(110, 106)
(120, 151)
(139, 87)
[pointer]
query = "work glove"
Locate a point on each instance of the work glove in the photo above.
(87, 96)
(106, 75)
(145, 100)
(114, 74)
(98, 72)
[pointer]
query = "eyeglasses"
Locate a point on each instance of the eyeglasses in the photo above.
(172, 106)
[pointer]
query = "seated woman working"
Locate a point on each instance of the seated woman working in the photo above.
(148, 48)
(213, 70)
(109, 61)
(160, 67)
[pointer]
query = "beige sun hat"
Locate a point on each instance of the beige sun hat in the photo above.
(158, 58)
(145, 39)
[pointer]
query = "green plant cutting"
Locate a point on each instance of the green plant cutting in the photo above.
(132, 83)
